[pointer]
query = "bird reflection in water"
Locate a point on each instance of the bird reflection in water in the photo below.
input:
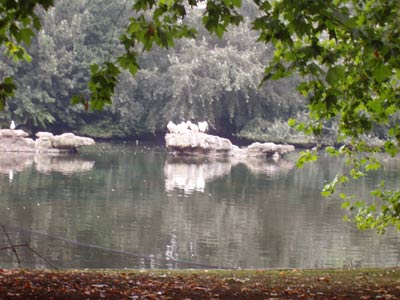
(191, 174)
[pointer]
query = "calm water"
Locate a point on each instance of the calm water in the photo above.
(127, 206)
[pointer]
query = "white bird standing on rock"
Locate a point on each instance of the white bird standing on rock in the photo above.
(203, 126)
(182, 128)
(172, 127)
(192, 126)
(12, 125)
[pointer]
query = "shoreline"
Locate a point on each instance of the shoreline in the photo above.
(381, 283)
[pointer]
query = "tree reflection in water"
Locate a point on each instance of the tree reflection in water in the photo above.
(192, 174)
(140, 200)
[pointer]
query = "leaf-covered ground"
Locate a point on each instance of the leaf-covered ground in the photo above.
(152, 285)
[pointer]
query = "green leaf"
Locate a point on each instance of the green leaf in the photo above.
(237, 3)
(77, 99)
(25, 35)
(332, 151)
(356, 174)
(133, 27)
(219, 31)
(128, 62)
(326, 193)
(381, 72)
(292, 122)
(94, 68)
(306, 156)
(391, 148)
(343, 179)
(346, 204)
(336, 75)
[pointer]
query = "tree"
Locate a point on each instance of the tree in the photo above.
(346, 52)
(17, 22)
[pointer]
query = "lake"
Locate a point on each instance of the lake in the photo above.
(137, 206)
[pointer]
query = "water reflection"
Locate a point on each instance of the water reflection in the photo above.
(11, 163)
(191, 174)
(138, 207)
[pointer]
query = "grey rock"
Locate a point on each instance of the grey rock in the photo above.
(195, 143)
(46, 142)
(44, 135)
(83, 141)
(268, 149)
(13, 133)
(64, 141)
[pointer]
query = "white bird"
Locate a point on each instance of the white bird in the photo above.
(203, 126)
(172, 127)
(12, 125)
(182, 128)
(192, 126)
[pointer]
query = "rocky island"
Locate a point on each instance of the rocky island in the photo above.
(187, 138)
(17, 140)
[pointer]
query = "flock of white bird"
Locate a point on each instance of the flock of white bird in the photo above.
(183, 127)
(186, 127)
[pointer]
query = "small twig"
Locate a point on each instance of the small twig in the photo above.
(11, 244)
(26, 245)
(14, 246)
(42, 257)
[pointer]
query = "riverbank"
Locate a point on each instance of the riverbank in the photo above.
(204, 284)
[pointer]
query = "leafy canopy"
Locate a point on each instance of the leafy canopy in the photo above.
(17, 22)
(346, 51)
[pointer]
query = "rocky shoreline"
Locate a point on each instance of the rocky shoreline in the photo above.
(18, 141)
(200, 143)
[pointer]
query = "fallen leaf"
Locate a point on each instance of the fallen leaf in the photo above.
(99, 286)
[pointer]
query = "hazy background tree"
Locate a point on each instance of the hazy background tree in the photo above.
(204, 79)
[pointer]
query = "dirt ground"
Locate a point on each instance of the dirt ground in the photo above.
(204, 284)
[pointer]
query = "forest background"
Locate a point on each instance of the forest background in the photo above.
(208, 78)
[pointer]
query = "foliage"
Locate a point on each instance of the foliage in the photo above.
(276, 131)
(347, 52)
(17, 24)
(220, 84)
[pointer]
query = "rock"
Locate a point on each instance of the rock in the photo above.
(30, 142)
(44, 135)
(194, 142)
(83, 141)
(64, 141)
(20, 133)
(7, 133)
(70, 141)
(199, 142)
(43, 144)
(46, 142)
(268, 149)
(13, 133)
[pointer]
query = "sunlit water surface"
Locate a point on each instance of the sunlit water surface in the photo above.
(128, 206)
